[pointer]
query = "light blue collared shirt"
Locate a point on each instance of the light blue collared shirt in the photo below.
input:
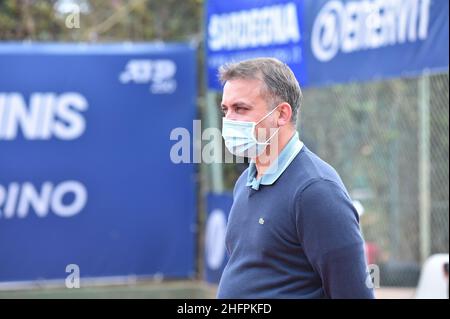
(292, 148)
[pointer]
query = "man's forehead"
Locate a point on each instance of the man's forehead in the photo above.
(242, 89)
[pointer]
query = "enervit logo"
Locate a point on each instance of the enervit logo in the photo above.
(17, 200)
(158, 73)
(359, 25)
(47, 115)
(270, 25)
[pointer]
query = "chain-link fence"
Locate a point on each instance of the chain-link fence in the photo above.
(389, 142)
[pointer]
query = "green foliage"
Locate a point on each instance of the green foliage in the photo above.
(102, 20)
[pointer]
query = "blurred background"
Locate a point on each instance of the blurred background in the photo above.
(95, 95)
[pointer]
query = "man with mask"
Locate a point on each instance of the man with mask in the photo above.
(292, 230)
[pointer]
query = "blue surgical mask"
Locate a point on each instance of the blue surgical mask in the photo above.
(240, 140)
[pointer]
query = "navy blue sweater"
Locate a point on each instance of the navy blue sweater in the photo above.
(296, 238)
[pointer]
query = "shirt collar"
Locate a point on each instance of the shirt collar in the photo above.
(292, 148)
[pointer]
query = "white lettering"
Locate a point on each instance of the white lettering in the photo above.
(46, 116)
(48, 198)
(270, 25)
(368, 24)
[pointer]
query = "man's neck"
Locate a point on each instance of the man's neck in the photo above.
(272, 152)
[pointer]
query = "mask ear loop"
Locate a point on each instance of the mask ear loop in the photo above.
(254, 129)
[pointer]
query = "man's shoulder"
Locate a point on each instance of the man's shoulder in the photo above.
(308, 168)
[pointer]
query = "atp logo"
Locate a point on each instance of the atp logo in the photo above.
(158, 73)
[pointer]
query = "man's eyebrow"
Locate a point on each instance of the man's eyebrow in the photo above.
(238, 104)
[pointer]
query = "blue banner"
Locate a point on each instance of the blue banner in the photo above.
(86, 177)
(369, 40)
(218, 207)
(331, 41)
(239, 30)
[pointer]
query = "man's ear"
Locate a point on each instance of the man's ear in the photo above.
(285, 114)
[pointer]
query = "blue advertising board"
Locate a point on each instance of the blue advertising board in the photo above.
(239, 30)
(371, 40)
(330, 41)
(86, 178)
(218, 207)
